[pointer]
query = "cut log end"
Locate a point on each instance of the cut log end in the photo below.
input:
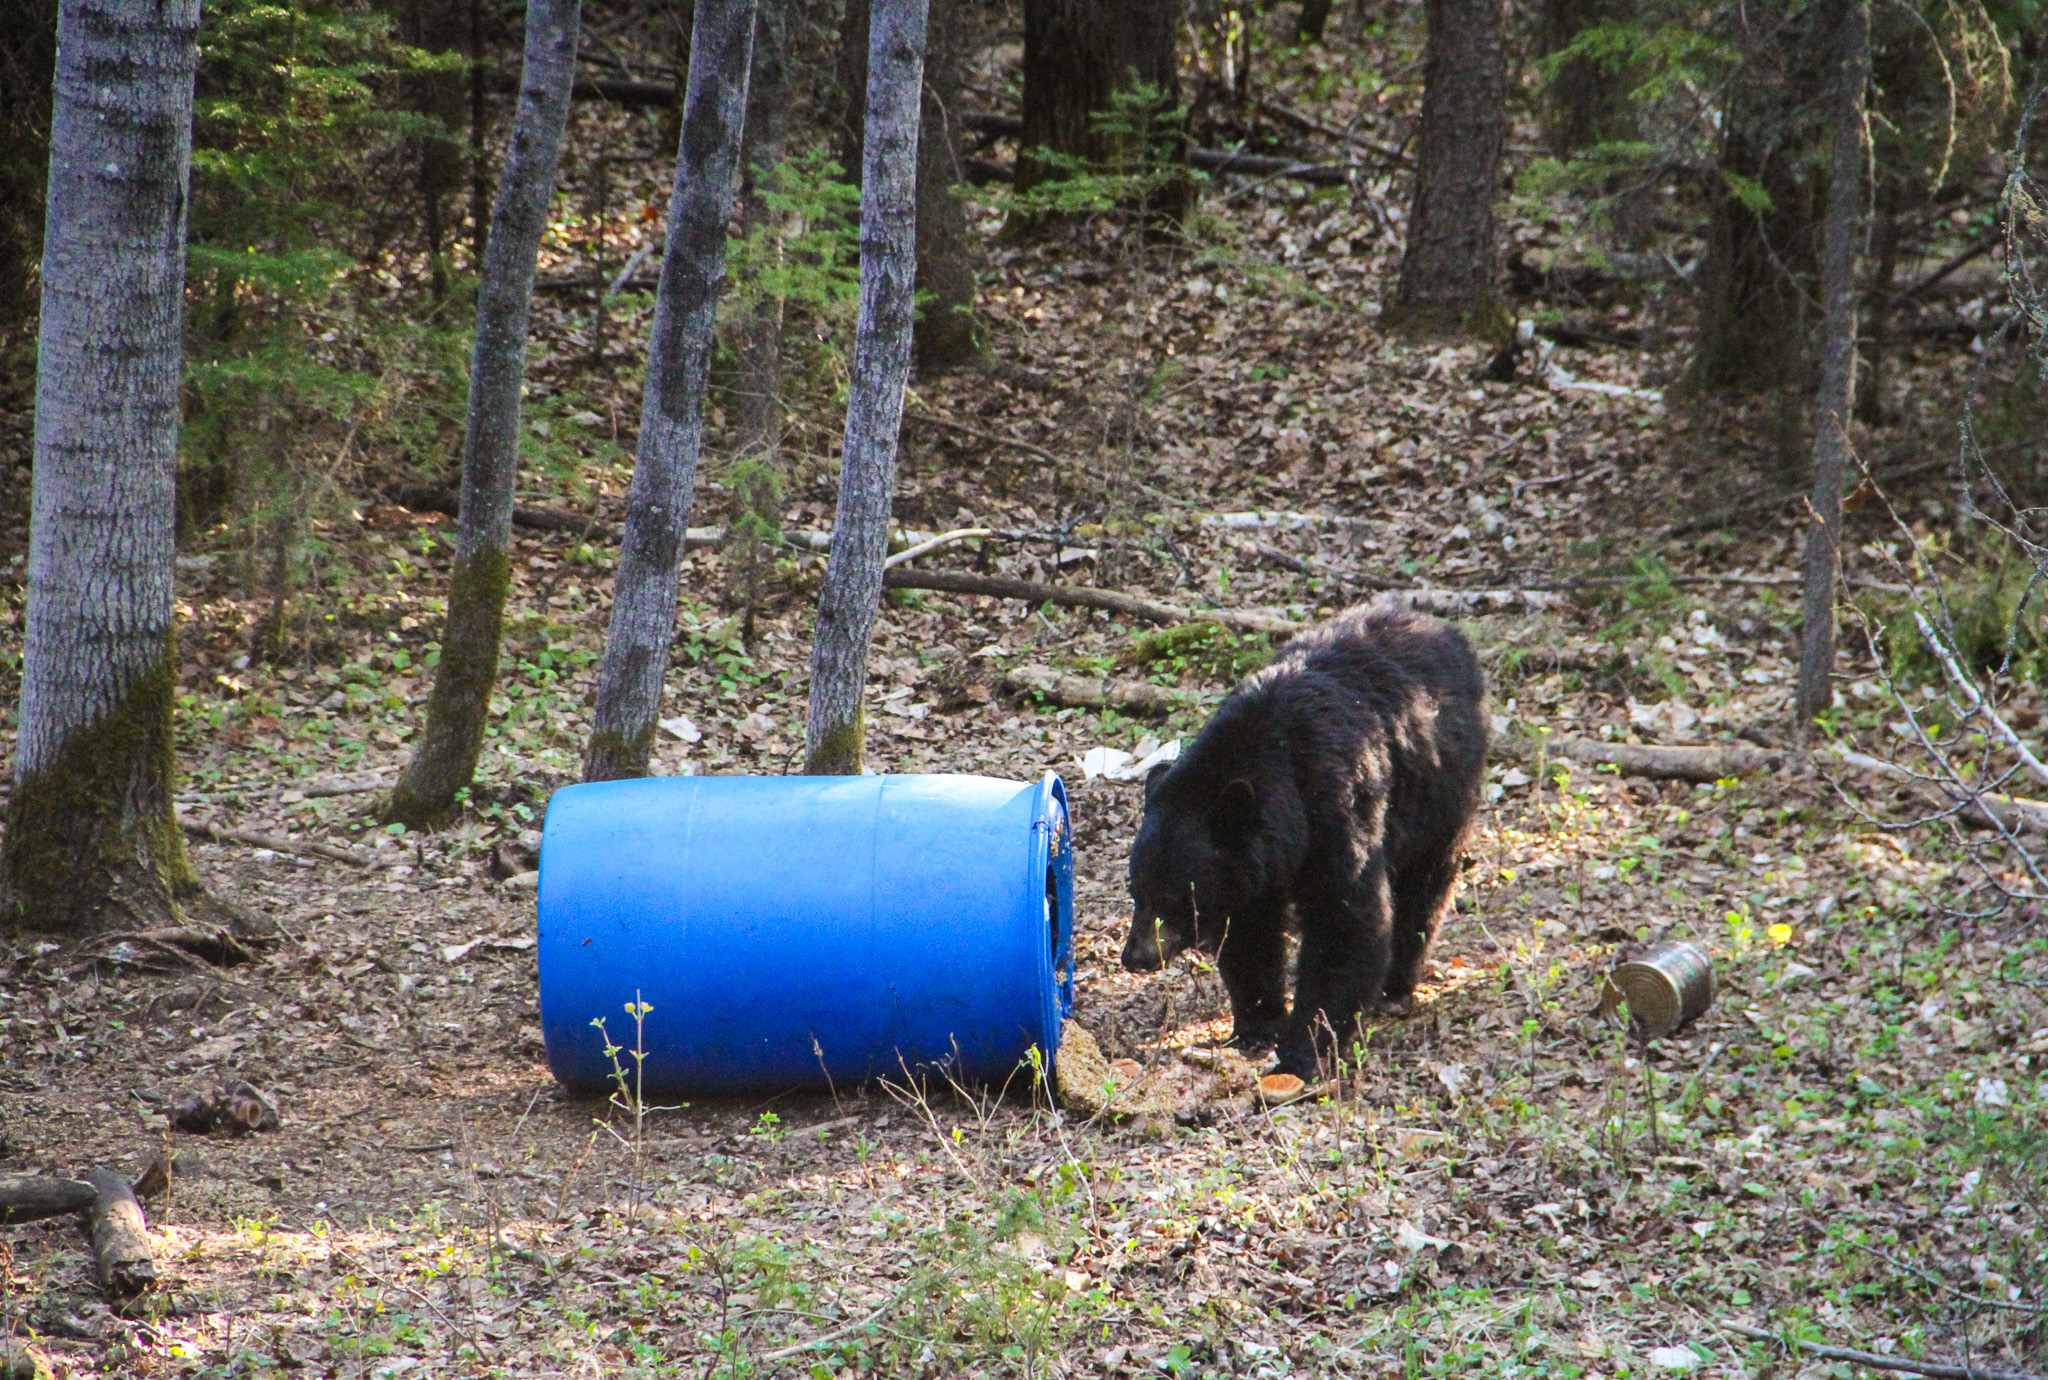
(120, 1237)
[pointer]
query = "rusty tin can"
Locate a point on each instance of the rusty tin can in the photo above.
(1665, 989)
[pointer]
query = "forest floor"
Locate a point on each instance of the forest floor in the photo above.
(1848, 1147)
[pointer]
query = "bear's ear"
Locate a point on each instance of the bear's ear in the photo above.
(1153, 776)
(1235, 815)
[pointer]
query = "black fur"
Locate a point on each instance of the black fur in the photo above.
(1342, 780)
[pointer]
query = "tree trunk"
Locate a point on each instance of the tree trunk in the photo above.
(92, 839)
(757, 408)
(836, 732)
(672, 407)
(460, 704)
(28, 50)
(1585, 102)
(1759, 260)
(1315, 17)
(946, 335)
(1450, 268)
(1838, 365)
(437, 26)
(1078, 55)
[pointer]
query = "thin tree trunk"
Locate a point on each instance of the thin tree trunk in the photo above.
(1838, 365)
(1450, 269)
(460, 704)
(836, 731)
(672, 409)
(1314, 18)
(757, 410)
(92, 839)
(946, 335)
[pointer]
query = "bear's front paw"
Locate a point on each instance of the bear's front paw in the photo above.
(1254, 1039)
(1392, 1004)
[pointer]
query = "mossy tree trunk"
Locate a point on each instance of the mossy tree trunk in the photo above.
(456, 713)
(1450, 267)
(1838, 363)
(836, 728)
(92, 840)
(1079, 55)
(672, 406)
(946, 335)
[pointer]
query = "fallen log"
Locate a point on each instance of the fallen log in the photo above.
(120, 1237)
(1087, 692)
(187, 942)
(1083, 596)
(1708, 763)
(32, 1197)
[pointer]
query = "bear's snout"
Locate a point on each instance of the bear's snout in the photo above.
(1141, 949)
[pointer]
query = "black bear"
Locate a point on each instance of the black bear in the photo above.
(1341, 780)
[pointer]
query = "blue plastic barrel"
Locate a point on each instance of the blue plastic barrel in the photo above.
(805, 930)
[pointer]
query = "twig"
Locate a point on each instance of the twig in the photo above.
(994, 438)
(1977, 1299)
(911, 553)
(1986, 808)
(214, 829)
(1083, 596)
(1940, 1369)
(836, 1333)
(1976, 703)
(1315, 126)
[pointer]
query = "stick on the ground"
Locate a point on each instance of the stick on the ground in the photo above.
(1083, 692)
(120, 1237)
(32, 1197)
(1708, 763)
(911, 553)
(1940, 1369)
(1983, 808)
(213, 829)
(1083, 596)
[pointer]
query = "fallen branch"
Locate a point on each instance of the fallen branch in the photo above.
(992, 437)
(316, 789)
(1986, 809)
(213, 829)
(187, 942)
(32, 1197)
(120, 1237)
(1082, 596)
(911, 553)
(1315, 126)
(1975, 702)
(1940, 1369)
(1084, 692)
(1708, 763)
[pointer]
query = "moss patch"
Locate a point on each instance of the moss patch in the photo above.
(92, 839)
(456, 712)
(841, 750)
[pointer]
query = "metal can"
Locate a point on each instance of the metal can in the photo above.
(1665, 989)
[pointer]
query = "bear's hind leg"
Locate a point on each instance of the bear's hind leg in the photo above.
(1253, 962)
(1346, 943)
(1422, 893)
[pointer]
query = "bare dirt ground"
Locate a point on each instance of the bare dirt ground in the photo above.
(1849, 1148)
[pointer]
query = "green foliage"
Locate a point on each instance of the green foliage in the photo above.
(1205, 650)
(1142, 171)
(805, 256)
(1996, 620)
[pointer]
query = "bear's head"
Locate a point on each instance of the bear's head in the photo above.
(1193, 865)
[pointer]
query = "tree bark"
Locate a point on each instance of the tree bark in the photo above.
(672, 408)
(1838, 365)
(1451, 265)
(946, 335)
(757, 410)
(836, 731)
(1314, 18)
(460, 704)
(1760, 255)
(1585, 102)
(92, 839)
(1078, 55)
(28, 50)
